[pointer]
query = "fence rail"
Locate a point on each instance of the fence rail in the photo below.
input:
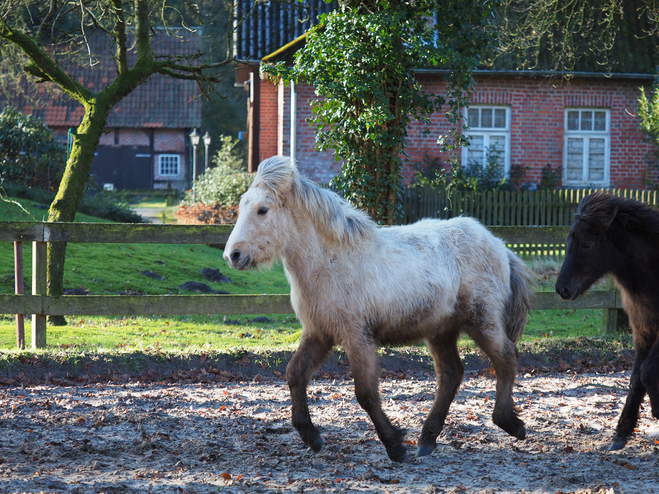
(507, 208)
(39, 305)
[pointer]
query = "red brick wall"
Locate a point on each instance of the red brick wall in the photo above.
(318, 166)
(173, 141)
(133, 137)
(537, 112)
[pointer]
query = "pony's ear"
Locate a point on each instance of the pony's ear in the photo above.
(606, 224)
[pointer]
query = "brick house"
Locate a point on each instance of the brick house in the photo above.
(585, 125)
(146, 144)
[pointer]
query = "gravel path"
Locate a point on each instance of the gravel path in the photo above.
(236, 437)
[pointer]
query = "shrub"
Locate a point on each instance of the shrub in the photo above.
(224, 183)
(472, 177)
(29, 152)
(550, 179)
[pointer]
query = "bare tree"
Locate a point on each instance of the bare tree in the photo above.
(49, 37)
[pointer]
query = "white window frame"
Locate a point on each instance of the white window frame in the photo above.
(488, 133)
(163, 167)
(587, 136)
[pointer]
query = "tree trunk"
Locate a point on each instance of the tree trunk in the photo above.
(71, 191)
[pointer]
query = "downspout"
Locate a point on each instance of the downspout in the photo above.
(293, 121)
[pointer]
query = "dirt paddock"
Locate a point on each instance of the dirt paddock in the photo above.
(236, 437)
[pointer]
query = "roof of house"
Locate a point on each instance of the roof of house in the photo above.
(272, 35)
(159, 102)
(264, 27)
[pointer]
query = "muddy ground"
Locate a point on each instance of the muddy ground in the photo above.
(229, 430)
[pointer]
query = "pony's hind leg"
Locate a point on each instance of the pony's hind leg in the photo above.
(450, 371)
(650, 377)
(365, 368)
(308, 357)
(503, 355)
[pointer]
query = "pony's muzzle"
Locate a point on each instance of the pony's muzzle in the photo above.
(238, 261)
(568, 292)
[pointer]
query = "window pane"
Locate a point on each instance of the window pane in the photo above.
(600, 120)
(573, 120)
(497, 150)
(500, 118)
(472, 118)
(486, 117)
(586, 120)
(596, 160)
(575, 160)
(475, 152)
(169, 165)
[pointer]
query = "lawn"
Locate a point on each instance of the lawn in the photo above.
(110, 269)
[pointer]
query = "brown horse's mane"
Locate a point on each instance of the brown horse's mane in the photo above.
(601, 208)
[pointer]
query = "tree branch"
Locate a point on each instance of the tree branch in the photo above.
(120, 36)
(142, 32)
(52, 9)
(43, 66)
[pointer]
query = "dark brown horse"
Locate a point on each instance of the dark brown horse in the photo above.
(621, 237)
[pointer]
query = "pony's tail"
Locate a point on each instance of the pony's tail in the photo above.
(521, 294)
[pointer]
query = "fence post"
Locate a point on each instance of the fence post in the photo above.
(19, 290)
(39, 259)
(610, 316)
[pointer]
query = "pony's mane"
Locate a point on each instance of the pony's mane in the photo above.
(330, 212)
(599, 208)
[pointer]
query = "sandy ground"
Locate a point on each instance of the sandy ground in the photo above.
(236, 437)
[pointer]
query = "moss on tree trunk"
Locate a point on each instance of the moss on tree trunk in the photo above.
(70, 193)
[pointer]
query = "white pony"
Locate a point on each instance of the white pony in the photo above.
(360, 286)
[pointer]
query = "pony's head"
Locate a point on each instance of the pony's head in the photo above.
(256, 239)
(589, 250)
(281, 200)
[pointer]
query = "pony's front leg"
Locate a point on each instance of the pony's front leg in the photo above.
(363, 359)
(629, 416)
(310, 354)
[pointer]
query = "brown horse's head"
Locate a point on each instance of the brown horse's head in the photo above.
(589, 252)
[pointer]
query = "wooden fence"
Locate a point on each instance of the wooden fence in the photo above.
(39, 305)
(506, 208)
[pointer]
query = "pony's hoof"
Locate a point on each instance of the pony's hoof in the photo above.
(617, 444)
(425, 449)
(316, 445)
(521, 433)
(397, 454)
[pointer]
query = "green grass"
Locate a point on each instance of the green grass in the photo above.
(168, 334)
(109, 269)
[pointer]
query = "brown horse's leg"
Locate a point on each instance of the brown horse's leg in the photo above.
(364, 364)
(503, 355)
(450, 371)
(629, 416)
(308, 357)
(650, 377)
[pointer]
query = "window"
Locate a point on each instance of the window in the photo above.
(489, 133)
(586, 149)
(169, 164)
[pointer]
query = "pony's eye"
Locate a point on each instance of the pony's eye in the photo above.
(587, 245)
(262, 210)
